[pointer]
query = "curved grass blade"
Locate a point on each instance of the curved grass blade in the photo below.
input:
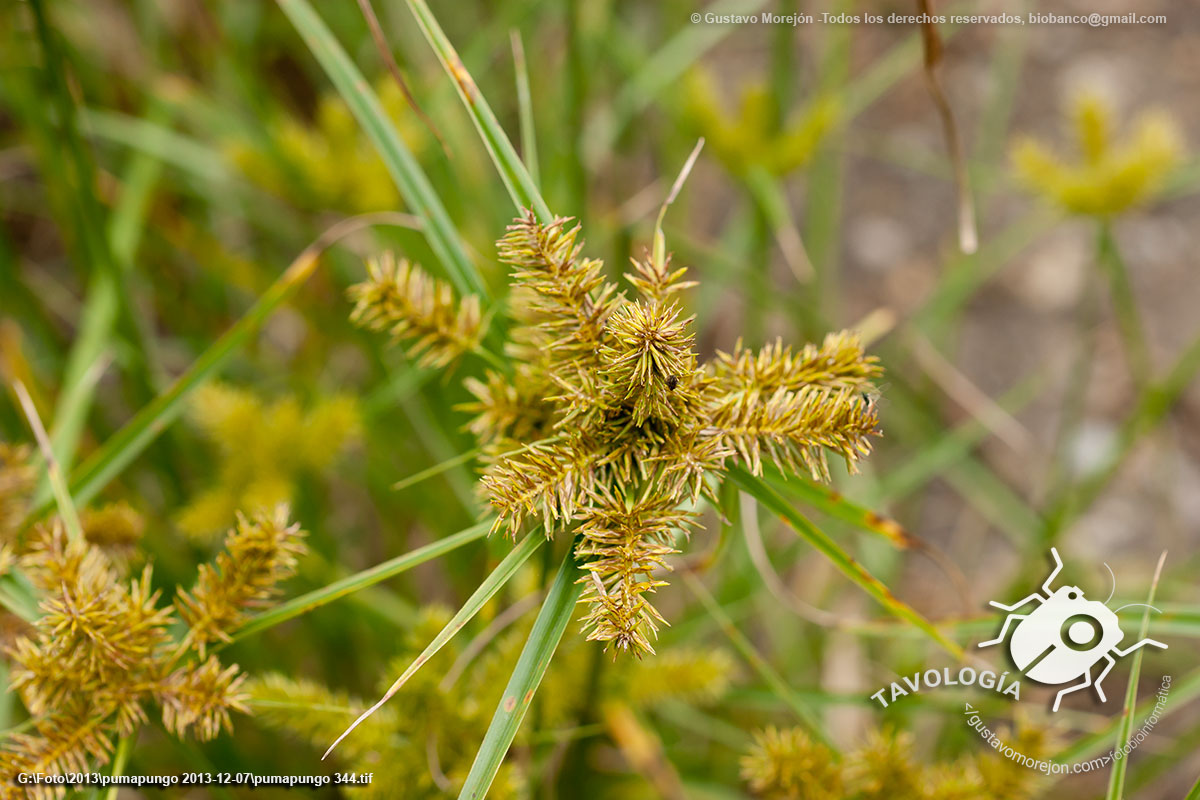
(520, 185)
(1194, 794)
(360, 580)
(1116, 779)
(414, 187)
(840, 558)
(126, 444)
(120, 762)
(539, 648)
(492, 584)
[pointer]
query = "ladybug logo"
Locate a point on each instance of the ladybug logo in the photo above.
(1065, 636)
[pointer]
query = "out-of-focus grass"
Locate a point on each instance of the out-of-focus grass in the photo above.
(137, 262)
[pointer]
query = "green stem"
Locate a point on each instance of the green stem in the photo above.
(1153, 405)
(120, 761)
(1129, 321)
(1059, 479)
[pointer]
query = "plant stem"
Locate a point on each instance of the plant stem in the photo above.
(1129, 321)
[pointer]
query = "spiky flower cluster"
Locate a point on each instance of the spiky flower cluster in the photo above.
(789, 765)
(259, 554)
(102, 647)
(262, 447)
(608, 425)
(400, 298)
(1107, 176)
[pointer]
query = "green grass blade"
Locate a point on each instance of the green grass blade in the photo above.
(512, 170)
(152, 138)
(486, 591)
(1194, 794)
(1091, 745)
(840, 558)
(745, 647)
(414, 187)
(525, 106)
(937, 454)
(1116, 779)
(120, 762)
(836, 505)
(1124, 301)
(360, 580)
(436, 469)
(965, 274)
(100, 312)
(539, 648)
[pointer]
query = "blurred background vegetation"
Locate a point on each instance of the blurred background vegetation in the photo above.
(162, 163)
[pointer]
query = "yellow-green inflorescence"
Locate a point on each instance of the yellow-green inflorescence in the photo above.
(1107, 174)
(328, 163)
(607, 425)
(788, 764)
(103, 647)
(263, 447)
(750, 139)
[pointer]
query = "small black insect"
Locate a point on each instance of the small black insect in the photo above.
(672, 382)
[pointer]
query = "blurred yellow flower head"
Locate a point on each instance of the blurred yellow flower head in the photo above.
(262, 449)
(1109, 174)
(330, 163)
(749, 139)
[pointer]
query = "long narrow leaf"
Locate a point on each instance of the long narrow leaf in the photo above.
(1182, 692)
(525, 106)
(100, 312)
(360, 580)
(1116, 779)
(539, 648)
(840, 558)
(512, 170)
(414, 187)
(839, 507)
(486, 591)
